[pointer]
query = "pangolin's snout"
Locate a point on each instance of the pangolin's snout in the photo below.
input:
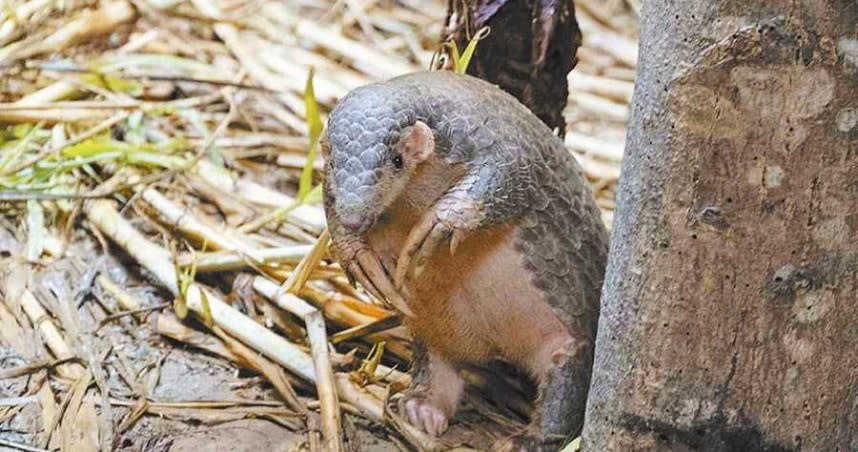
(354, 210)
(356, 197)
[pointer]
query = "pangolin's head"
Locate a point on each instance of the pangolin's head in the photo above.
(372, 145)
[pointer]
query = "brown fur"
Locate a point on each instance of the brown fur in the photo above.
(478, 304)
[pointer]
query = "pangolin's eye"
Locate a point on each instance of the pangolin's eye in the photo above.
(397, 161)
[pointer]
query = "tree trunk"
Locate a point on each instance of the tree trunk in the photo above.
(730, 308)
(528, 53)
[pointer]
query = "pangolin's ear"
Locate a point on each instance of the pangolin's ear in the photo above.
(418, 143)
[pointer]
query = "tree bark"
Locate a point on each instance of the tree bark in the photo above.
(528, 53)
(729, 314)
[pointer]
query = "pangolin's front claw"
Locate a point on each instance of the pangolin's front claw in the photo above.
(438, 234)
(350, 277)
(422, 241)
(360, 276)
(458, 237)
(408, 255)
(378, 277)
(363, 266)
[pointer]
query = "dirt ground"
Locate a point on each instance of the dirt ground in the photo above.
(144, 363)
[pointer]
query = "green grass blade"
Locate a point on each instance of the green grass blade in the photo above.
(574, 446)
(454, 51)
(207, 310)
(314, 196)
(463, 61)
(314, 125)
(22, 146)
(115, 84)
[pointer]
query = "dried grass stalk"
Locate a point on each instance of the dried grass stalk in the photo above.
(88, 24)
(179, 217)
(594, 147)
(157, 260)
(51, 335)
(614, 89)
(299, 307)
(302, 272)
(329, 404)
(235, 260)
(310, 218)
(55, 91)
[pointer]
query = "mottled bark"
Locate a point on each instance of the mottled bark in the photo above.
(730, 309)
(529, 52)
